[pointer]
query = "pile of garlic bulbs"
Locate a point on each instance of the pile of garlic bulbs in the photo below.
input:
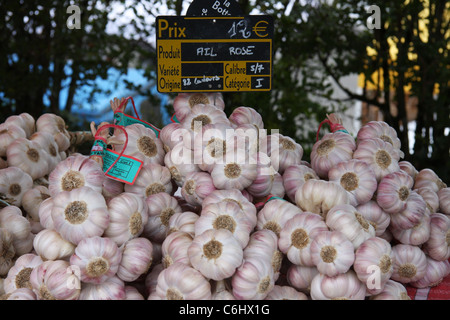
(209, 218)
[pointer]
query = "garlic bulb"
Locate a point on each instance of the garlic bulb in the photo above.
(142, 144)
(246, 115)
(408, 168)
(175, 248)
(277, 186)
(151, 279)
(183, 221)
(75, 172)
(332, 253)
(180, 162)
(19, 294)
(319, 196)
(152, 179)
(55, 280)
(79, 214)
(331, 149)
(9, 132)
(295, 176)
(392, 290)
(225, 215)
(132, 293)
(137, 257)
(237, 171)
(112, 188)
(184, 102)
(379, 155)
(412, 214)
(296, 237)
(393, 191)
(428, 178)
(215, 253)
(181, 282)
(25, 121)
(381, 130)
(282, 150)
(410, 263)
(431, 198)
(444, 200)
(196, 187)
(161, 207)
(416, 235)
(285, 293)
(111, 289)
(253, 280)
(173, 134)
(45, 214)
(265, 176)
(49, 245)
(437, 246)
(357, 178)
(32, 199)
(344, 286)
(378, 218)
(233, 195)
(14, 182)
(300, 277)
(263, 245)
(275, 214)
(55, 125)
(98, 259)
(11, 219)
(7, 253)
(19, 275)
(435, 273)
(346, 219)
(202, 115)
(49, 145)
(374, 263)
(128, 214)
(221, 290)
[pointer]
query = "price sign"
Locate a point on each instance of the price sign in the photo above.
(217, 54)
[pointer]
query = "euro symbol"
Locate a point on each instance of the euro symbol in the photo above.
(260, 31)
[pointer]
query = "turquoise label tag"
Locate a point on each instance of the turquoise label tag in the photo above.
(122, 119)
(98, 148)
(126, 168)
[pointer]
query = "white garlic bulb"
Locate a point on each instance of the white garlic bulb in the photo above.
(132, 293)
(54, 124)
(19, 275)
(180, 162)
(183, 221)
(437, 246)
(111, 289)
(29, 156)
(275, 214)
(410, 263)
(7, 253)
(184, 102)
(428, 178)
(285, 293)
(378, 218)
(32, 199)
(416, 235)
(11, 218)
(203, 114)
(175, 248)
(393, 191)
(9, 132)
(300, 277)
(49, 145)
(152, 179)
(196, 187)
(49, 245)
(253, 280)
(137, 257)
(19, 294)
(435, 273)
(344, 286)
(392, 290)
(295, 176)
(14, 182)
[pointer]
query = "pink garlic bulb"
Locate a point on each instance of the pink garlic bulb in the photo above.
(381, 130)
(297, 235)
(246, 115)
(431, 198)
(55, 280)
(346, 219)
(331, 149)
(49, 245)
(9, 132)
(112, 188)
(277, 186)
(142, 144)
(319, 196)
(55, 125)
(215, 253)
(183, 221)
(175, 248)
(152, 179)
(282, 150)
(379, 155)
(393, 191)
(97, 258)
(181, 282)
(344, 286)
(300, 277)
(378, 218)
(137, 257)
(392, 290)
(332, 253)
(437, 246)
(111, 289)
(285, 293)
(8, 251)
(14, 182)
(19, 294)
(435, 273)
(444, 200)
(75, 172)
(203, 114)
(151, 279)
(79, 214)
(184, 102)
(196, 187)
(19, 275)
(374, 263)
(161, 207)
(357, 178)
(174, 133)
(253, 280)
(29, 156)
(24, 121)
(45, 214)
(408, 168)
(49, 145)
(417, 234)
(132, 293)
(225, 215)
(275, 214)
(412, 214)
(128, 214)
(410, 263)
(265, 176)
(32, 199)
(180, 162)
(295, 176)
(428, 178)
